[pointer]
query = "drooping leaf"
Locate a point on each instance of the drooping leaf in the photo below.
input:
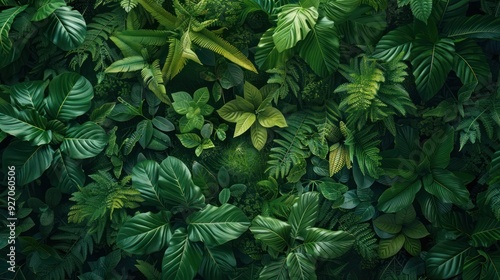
(46, 8)
(66, 28)
(275, 270)
(470, 63)
(395, 42)
(398, 196)
(145, 233)
(217, 225)
(294, 23)
(327, 244)
(446, 186)
(84, 141)
(182, 257)
(271, 232)
(7, 16)
(476, 26)
(267, 55)
(127, 64)
(303, 214)
(446, 258)
(218, 263)
(300, 266)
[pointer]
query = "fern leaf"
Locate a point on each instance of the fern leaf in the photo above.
(363, 145)
(175, 61)
(145, 37)
(159, 13)
(153, 77)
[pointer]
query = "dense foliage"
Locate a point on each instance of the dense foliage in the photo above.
(251, 139)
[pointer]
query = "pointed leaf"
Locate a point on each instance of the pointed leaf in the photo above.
(145, 176)
(66, 173)
(327, 244)
(66, 28)
(475, 26)
(395, 42)
(399, 196)
(304, 213)
(439, 147)
(258, 134)
(300, 266)
(486, 232)
(232, 110)
(29, 95)
(270, 117)
(218, 263)
(387, 223)
(294, 23)
(26, 125)
(7, 16)
(182, 257)
(46, 8)
(390, 247)
(127, 64)
(412, 246)
(415, 230)
(271, 232)
(421, 9)
(446, 259)
(84, 141)
(447, 187)
(276, 270)
(252, 94)
(243, 123)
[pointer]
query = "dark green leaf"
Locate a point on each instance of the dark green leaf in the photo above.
(271, 232)
(30, 162)
(84, 141)
(446, 186)
(301, 266)
(66, 28)
(390, 247)
(446, 259)
(69, 96)
(182, 257)
(399, 196)
(26, 125)
(303, 214)
(327, 244)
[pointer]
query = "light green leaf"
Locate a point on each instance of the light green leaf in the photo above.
(243, 123)
(252, 94)
(145, 233)
(270, 117)
(188, 124)
(99, 114)
(69, 96)
(446, 259)
(294, 23)
(217, 225)
(46, 8)
(390, 247)
(327, 244)
(201, 96)
(182, 257)
(189, 140)
(224, 196)
(26, 125)
(300, 266)
(66, 28)
(303, 214)
(232, 110)
(127, 64)
(331, 190)
(84, 141)
(446, 186)
(271, 232)
(421, 9)
(399, 196)
(339, 10)
(30, 162)
(258, 134)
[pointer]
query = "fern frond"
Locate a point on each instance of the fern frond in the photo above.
(175, 61)
(290, 149)
(153, 77)
(128, 5)
(366, 242)
(145, 37)
(159, 13)
(363, 144)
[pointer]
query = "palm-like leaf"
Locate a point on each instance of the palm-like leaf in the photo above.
(267, 55)
(304, 214)
(127, 64)
(294, 23)
(327, 244)
(446, 259)
(301, 266)
(159, 13)
(271, 232)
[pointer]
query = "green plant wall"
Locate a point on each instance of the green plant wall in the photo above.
(250, 139)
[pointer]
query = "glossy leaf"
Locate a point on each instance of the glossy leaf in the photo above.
(84, 141)
(66, 28)
(439, 147)
(327, 244)
(258, 134)
(446, 186)
(271, 232)
(182, 257)
(475, 26)
(270, 117)
(145, 233)
(267, 55)
(304, 214)
(145, 177)
(300, 266)
(446, 258)
(399, 196)
(421, 9)
(66, 173)
(26, 125)
(387, 223)
(218, 263)
(390, 247)
(395, 42)
(294, 23)
(275, 270)
(415, 230)
(29, 95)
(47, 7)
(486, 232)
(470, 63)
(7, 17)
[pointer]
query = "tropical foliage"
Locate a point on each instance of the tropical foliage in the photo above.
(254, 139)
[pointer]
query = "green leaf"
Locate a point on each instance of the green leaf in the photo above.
(320, 48)
(271, 232)
(29, 95)
(412, 246)
(145, 233)
(127, 64)
(217, 225)
(327, 244)
(189, 140)
(201, 96)
(30, 162)
(431, 61)
(304, 213)
(69, 96)
(446, 259)
(84, 141)
(300, 266)
(46, 8)
(258, 134)
(415, 230)
(188, 124)
(267, 55)
(470, 63)
(145, 177)
(178, 187)
(446, 186)
(66, 28)
(421, 9)
(438, 148)
(275, 270)
(234, 109)
(399, 196)
(66, 173)
(486, 232)
(339, 10)
(224, 196)
(218, 263)
(475, 26)
(99, 114)
(182, 257)
(405, 215)
(390, 247)
(252, 94)
(387, 223)
(294, 23)
(395, 42)
(7, 16)
(26, 125)
(332, 191)
(243, 123)
(270, 117)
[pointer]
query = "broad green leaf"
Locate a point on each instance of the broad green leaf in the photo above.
(486, 232)
(182, 102)
(412, 246)
(145, 129)
(163, 124)
(7, 17)
(66, 28)
(224, 196)
(431, 61)
(421, 9)
(84, 141)
(30, 162)
(127, 64)
(29, 95)
(327, 244)
(331, 190)
(182, 258)
(189, 140)
(390, 247)
(405, 215)
(26, 125)
(177, 186)
(69, 96)
(201, 96)
(339, 10)
(387, 223)
(415, 230)
(234, 109)
(365, 211)
(294, 23)
(395, 42)
(217, 225)
(145, 233)
(218, 263)
(438, 148)
(446, 186)
(99, 114)
(66, 173)
(300, 266)
(258, 134)
(470, 63)
(446, 259)
(46, 8)
(188, 124)
(270, 117)
(267, 55)
(271, 232)
(303, 214)
(475, 26)
(252, 94)
(432, 208)
(145, 176)
(243, 123)
(275, 270)
(399, 196)
(320, 48)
